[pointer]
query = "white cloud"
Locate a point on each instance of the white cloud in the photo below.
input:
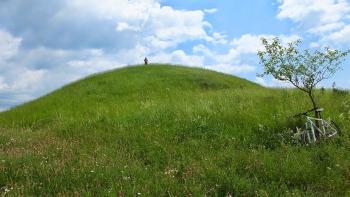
(21, 84)
(27, 79)
(210, 11)
(327, 19)
(178, 57)
(3, 84)
(340, 37)
(203, 50)
(30, 72)
(218, 38)
(322, 11)
(93, 65)
(162, 25)
(323, 29)
(14, 77)
(132, 56)
(122, 26)
(271, 82)
(154, 43)
(169, 24)
(9, 45)
(132, 10)
(260, 81)
(149, 29)
(231, 69)
(241, 55)
(248, 44)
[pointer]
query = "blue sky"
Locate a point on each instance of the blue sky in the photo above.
(44, 45)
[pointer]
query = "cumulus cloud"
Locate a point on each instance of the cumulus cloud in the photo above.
(322, 11)
(111, 24)
(340, 37)
(122, 26)
(247, 44)
(9, 45)
(241, 56)
(179, 57)
(3, 84)
(218, 38)
(211, 11)
(13, 77)
(131, 10)
(28, 79)
(49, 45)
(271, 82)
(20, 84)
(178, 25)
(158, 26)
(53, 44)
(28, 73)
(327, 19)
(232, 69)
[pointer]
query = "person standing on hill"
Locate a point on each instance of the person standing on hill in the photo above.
(146, 61)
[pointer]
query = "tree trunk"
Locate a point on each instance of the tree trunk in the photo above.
(314, 104)
(317, 114)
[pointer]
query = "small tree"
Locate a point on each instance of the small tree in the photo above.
(304, 69)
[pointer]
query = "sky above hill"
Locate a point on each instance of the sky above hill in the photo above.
(46, 44)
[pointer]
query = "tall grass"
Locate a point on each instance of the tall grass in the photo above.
(163, 130)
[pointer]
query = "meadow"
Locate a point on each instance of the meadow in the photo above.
(163, 130)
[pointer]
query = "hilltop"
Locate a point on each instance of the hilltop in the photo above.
(170, 130)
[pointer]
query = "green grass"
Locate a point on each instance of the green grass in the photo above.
(170, 131)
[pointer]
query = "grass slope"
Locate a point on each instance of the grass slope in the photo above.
(169, 130)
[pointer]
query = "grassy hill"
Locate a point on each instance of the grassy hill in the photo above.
(170, 131)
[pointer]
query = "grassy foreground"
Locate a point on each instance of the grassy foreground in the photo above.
(170, 131)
